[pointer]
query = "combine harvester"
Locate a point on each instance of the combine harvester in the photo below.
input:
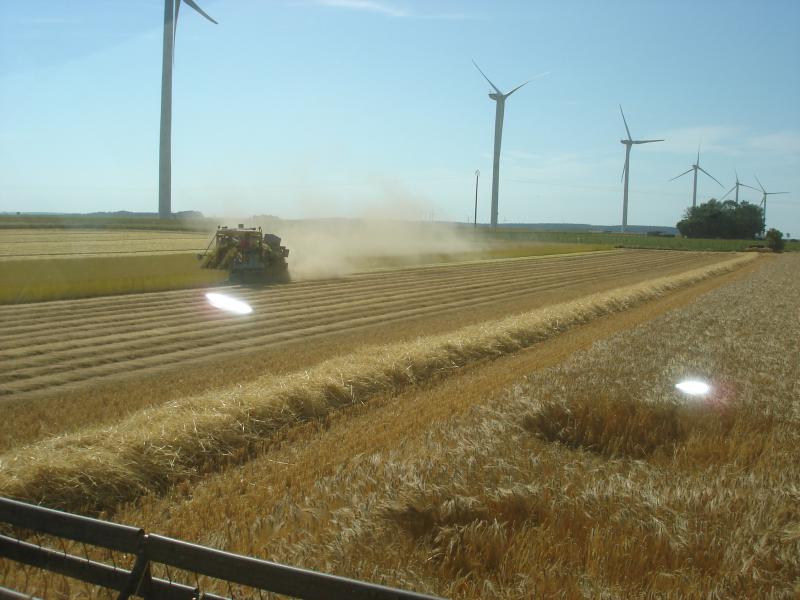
(248, 255)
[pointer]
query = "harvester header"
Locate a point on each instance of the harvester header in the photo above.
(249, 255)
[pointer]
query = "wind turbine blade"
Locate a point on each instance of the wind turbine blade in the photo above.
(710, 175)
(622, 177)
(540, 75)
(750, 186)
(487, 79)
(698, 158)
(516, 88)
(759, 184)
(726, 193)
(771, 193)
(193, 4)
(646, 141)
(682, 174)
(626, 123)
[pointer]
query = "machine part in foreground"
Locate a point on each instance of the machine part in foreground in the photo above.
(249, 255)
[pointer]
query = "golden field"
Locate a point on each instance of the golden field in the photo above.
(39, 264)
(56, 264)
(41, 280)
(62, 243)
(168, 345)
(540, 452)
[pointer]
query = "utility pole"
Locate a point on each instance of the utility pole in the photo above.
(477, 177)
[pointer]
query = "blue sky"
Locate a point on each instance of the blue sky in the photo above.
(303, 108)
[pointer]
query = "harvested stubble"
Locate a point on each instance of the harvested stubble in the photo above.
(107, 338)
(98, 469)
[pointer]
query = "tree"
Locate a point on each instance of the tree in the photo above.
(729, 220)
(775, 240)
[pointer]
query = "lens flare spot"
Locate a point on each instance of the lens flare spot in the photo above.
(693, 387)
(228, 304)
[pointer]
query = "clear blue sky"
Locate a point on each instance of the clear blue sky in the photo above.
(372, 107)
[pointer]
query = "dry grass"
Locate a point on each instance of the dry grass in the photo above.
(98, 469)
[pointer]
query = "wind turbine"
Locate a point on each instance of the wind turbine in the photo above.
(626, 169)
(171, 9)
(736, 186)
(500, 99)
(696, 167)
(764, 199)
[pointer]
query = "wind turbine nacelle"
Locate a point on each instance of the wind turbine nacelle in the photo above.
(495, 97)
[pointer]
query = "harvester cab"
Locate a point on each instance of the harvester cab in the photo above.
(249, 255)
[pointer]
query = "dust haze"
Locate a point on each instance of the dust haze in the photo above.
(321, 248)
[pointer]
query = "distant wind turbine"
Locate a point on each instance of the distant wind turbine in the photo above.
(764, 199)
(171, 9)
(626, 168)
(696, 167)
(500, 99)
(736, 186)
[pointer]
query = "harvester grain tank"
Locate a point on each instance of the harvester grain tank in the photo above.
(248, 254)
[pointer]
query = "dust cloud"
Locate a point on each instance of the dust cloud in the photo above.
(321, 248)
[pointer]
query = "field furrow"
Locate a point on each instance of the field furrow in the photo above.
(270, 309)
(302, 324)
(21, 315)
(169, 306)
(50, 346)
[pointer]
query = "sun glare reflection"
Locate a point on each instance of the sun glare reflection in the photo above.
(228, 304)
(693, 387)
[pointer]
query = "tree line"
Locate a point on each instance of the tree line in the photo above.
(727, 220)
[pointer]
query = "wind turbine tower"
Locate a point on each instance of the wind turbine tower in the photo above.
(629, 142)
(696, 167)
(764, 199)
(736, 186)
(171, 9)
(500, 100)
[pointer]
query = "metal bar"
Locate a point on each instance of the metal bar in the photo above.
(265, 575)
(7, 594)
(210, 596)
(269, 576)
(89, 571)
(74, 527)
(139, 574)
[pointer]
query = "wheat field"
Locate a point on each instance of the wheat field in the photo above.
(97, 469)
(169, 345)
(39, 265)
(679, 499)
(411, 464)
(102, 337)
(34, 244)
